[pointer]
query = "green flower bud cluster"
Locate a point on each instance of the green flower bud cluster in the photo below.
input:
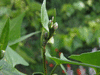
(53, 25)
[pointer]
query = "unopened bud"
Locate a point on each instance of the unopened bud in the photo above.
(50, 24)
(55, 25)
(52, 19)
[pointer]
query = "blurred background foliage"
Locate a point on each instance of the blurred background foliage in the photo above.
(78, 31)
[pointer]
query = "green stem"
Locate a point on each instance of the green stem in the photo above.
(44, 62)
(43, 53)
(53, 69)
(43, 45)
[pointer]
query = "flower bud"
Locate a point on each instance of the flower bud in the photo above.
(50, 24)
(52, 19)
(55, 25)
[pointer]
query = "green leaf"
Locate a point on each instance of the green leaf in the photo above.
(60, 61)
(44, 16)
(4, 36)
(64, 60)
(1, 27)
(15, 27)
(47, 54)
(37, 73)
(7, 69)
(13, 58)
(62, 57)
(24, 54)
(92, 58)
(22, 38)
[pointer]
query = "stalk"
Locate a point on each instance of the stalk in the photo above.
(43, 45)
(54, 69)
(44, 61)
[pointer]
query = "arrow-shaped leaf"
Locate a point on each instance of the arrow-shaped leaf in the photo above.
(15, 27)
(64, 60)
(7, 69)
(92, 58)
(22, 38)
(4, 36)
(14, 58)
(44, 16)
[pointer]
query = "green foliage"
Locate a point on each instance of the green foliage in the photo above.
(64, 60)
(13, 58)
(26, 54)
(4, 36)
(69, 8)
(70, 14)
(6, 68)
(22, 38)
(15, 27)
(63, 69)
(44, 16)
(89, 58)
(86, 34)
(10, 33)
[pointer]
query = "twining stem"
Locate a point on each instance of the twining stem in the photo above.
(53, 69)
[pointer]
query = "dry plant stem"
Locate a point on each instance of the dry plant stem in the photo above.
(44, 61)
(54, 69)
